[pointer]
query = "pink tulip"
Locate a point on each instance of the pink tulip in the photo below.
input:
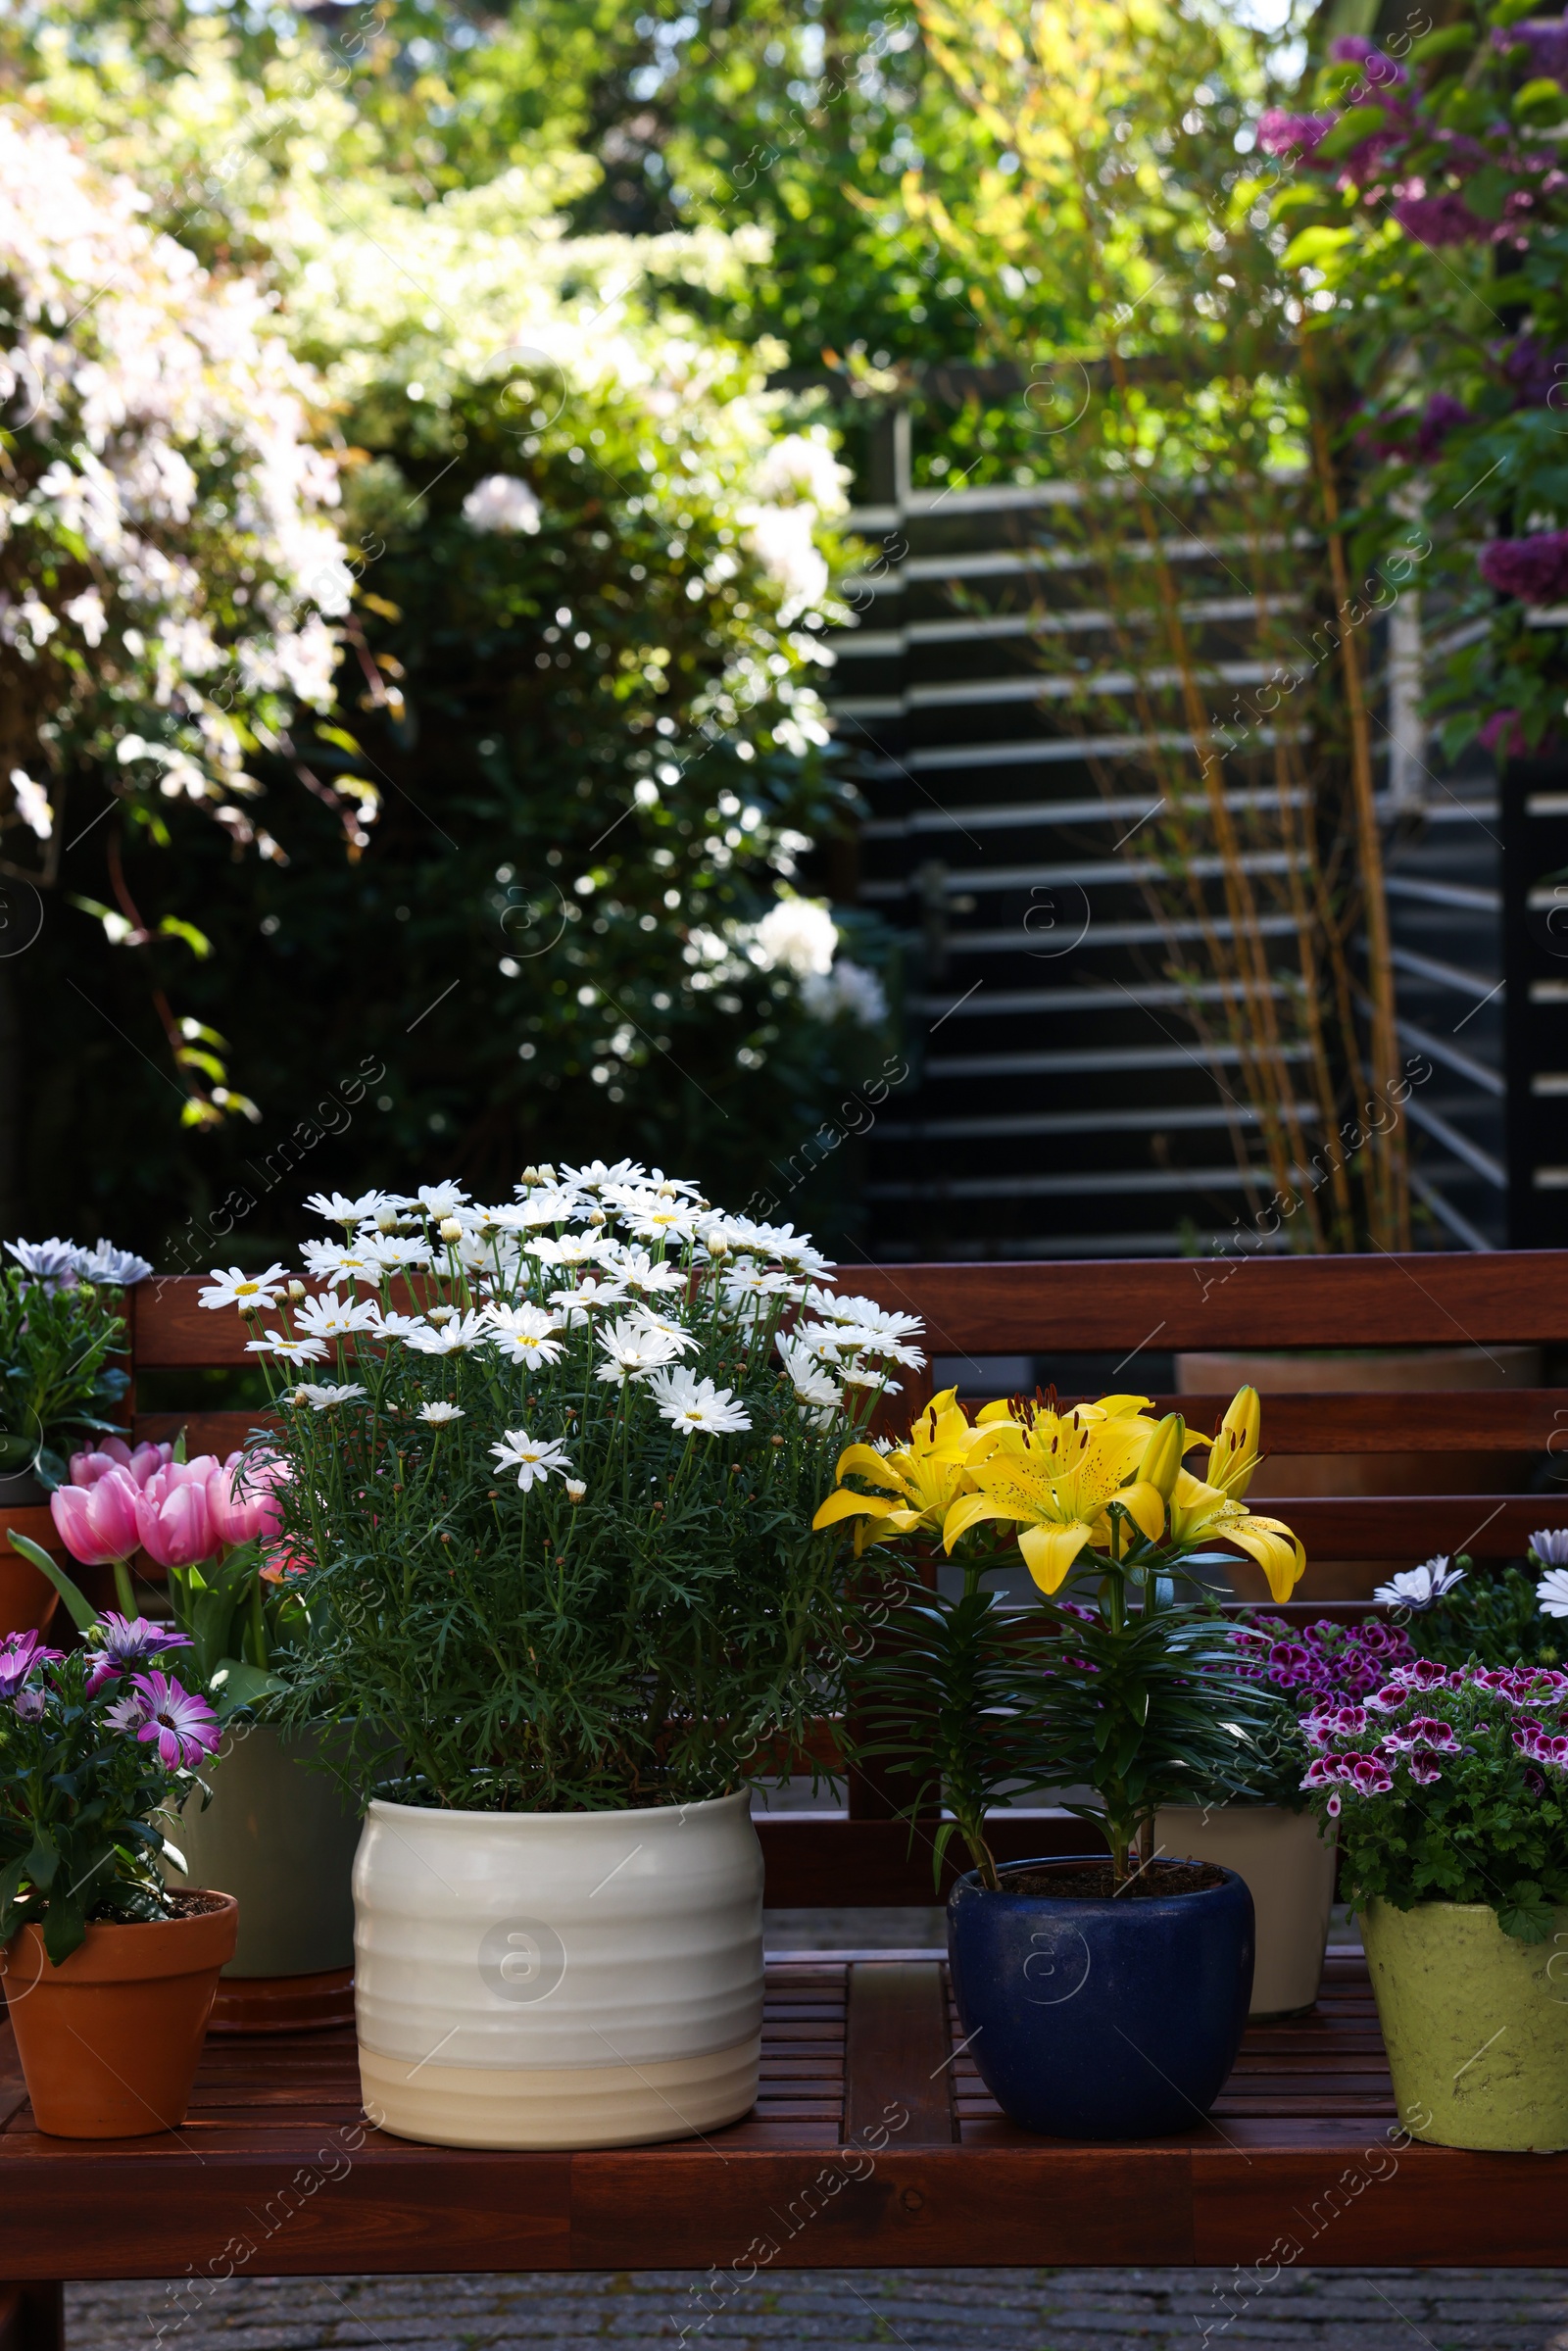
(112, 1453)
(172, 1517)
(98, 1523)
(241, 1501)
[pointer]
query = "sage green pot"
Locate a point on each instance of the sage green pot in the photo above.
(282, 1839)
(1475, 2024)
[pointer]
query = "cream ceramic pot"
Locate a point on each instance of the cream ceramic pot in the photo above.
(559, 1980)
(1289, 1871)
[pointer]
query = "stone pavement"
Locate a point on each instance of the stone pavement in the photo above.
(923, 2310)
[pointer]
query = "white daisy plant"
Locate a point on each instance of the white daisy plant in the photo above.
(552, 1467)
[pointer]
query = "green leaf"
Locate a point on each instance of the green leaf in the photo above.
(1489, 192)
(1540, 101)
(1507, 12)
(79, 1607)
(1448, 37)
(342, 737)
(1357, 123)
(1315, 245)
(174, 926)
(1525, 1914)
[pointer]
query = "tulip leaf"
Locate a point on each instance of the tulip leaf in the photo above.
(79, 1607)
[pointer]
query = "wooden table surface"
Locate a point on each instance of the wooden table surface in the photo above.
(872, 2145)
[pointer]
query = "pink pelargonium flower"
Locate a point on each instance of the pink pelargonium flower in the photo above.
(98, 1523)
(242, 1500)
(173, 1518)
(112, 1453)
(183, 1726)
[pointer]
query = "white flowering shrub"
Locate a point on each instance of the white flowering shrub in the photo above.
(550, 1470)
(169, 567)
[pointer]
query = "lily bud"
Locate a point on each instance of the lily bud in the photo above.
(1161, 1463)
(1233, 1456)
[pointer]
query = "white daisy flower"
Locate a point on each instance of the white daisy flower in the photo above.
(864, 1311)
(572, 1249)
(399, 1326)
(337, 1209)
(1552, 1592)
(1551, 1550)
(532, 1457)
(440, 1416)
(755, 1286)
(696, 1406)
(1419, 1587)
(817, 1392)
(292, 1350)
(857, 1338)
(439, 1201)
(597, 1176)
(391, 1252)
(549, 1203)
(332, 1262)
(323, 1399)
(781, 1241)
(575, 1488)
(454, 1333)
(523, 1334)
(639, 1271)
(251, 1293)
(590, 1296)
(337, 1317)
(634, 1350)
(856, 1374)
(683, 1341)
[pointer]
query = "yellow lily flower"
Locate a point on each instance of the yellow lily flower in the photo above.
(1059, 1483)
(1201, 1513)
(915, 1483)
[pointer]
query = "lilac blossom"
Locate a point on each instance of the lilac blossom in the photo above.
(1535, 570)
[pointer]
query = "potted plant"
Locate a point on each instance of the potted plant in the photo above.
(1268, 1832)
(1513, 1616)
(550, 1468)
(274, 1832)
(1450, 1784)
(109, 1975)
(1101, 1999)
(59, 1331)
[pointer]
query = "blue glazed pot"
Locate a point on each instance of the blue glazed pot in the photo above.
(1091, 2019)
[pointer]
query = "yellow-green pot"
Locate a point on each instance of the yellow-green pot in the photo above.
(1475, 2024)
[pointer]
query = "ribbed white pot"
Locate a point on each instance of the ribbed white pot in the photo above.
(1289, 1869)
(559, 1980)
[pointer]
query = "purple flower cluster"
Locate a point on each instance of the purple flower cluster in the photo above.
(20, 1654)
(1427, 1714)
(156, 1708)
(1535, 570)
(1322, 1660)
(1442, 220)
(183, 1727)
(119, 1643)
(1546, 40)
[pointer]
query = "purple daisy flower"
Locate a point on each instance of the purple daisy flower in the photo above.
(121, 1642)
(21, 1653)
(184, 1726)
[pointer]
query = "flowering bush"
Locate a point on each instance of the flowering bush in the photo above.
(1506, 1618)
(59, 1331)
(95, 1747)
(547, 1478)
(1456, 143)
(1450, 1784)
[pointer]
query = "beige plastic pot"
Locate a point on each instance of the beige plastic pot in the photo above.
(1475, 2024)
(1289, 1870)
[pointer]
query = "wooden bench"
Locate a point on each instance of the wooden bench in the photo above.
(874, 2143)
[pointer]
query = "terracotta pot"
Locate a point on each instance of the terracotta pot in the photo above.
(108, 2040)
(27, 1600)
(1338, 1372)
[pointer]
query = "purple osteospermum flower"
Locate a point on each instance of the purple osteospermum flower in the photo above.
(184, 1726)
(19, 1654)
(121, 1642)
(29, 1705)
